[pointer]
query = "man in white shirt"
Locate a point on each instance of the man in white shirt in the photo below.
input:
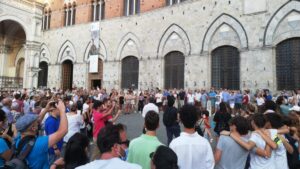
(109, 143)
(190, 98)
(159, 98)
(150, 106)
(193, 151)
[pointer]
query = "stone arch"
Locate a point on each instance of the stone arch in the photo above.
(129, 46)
(103, 51)
(174, 38)
(25, 26)
(20, 55)
(66, 52)
(276, 19)
(45, 54)
(225, 19)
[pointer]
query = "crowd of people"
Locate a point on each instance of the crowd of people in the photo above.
(221, 129)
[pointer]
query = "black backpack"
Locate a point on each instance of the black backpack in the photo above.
(19, 155)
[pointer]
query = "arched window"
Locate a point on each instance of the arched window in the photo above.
(98, 10)
(67, 74)
(288, 64)
(131, 7)
(130, 72)
(43, 74)
(225, 67)
(70, 14)
(174, 70)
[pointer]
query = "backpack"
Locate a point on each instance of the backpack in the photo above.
(19, 155)
(200, 127)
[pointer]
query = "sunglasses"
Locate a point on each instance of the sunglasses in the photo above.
(125, 142)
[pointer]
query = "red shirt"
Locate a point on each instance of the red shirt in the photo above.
(245, 99)
(99, 122)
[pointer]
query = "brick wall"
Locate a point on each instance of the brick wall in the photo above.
(113, 8)
(148, 5)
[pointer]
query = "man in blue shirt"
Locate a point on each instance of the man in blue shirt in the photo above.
(225, 96)
(51, 126)
(5, 153)
(27, 125)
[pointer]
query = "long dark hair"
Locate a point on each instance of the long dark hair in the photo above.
(75, 154)
(223, 107)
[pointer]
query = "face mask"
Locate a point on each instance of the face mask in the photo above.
(123, 154)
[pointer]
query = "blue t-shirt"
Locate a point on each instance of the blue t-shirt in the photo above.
(238, 98)
(38, 157)
(51, 126)
(3, 148)
(225, 96)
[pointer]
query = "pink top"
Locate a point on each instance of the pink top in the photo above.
(99, 122)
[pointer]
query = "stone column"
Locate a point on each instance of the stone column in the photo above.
(71, 23)
(67, 16)
(4, 51)
(31, 68)
(134, 10)
(100, 10)
(128, 7)
(47, 21)
(95, 10)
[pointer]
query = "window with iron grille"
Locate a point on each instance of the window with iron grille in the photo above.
(288, 64)
(67, 75)
(43, 74)
(225, 67)
(130, 72)
(174, 70)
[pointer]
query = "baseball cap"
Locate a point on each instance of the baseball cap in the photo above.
(25, 121)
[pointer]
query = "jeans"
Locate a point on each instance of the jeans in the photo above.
(173, 130)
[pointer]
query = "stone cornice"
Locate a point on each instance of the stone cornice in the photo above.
(26, 5)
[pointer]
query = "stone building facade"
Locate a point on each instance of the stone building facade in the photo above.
(247, 42)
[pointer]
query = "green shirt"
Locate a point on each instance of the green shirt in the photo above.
(140, 149)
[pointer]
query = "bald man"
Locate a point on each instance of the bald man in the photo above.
(6, 102)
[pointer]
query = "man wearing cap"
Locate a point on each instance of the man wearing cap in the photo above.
(27, 125)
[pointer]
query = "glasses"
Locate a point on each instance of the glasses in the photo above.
(124, 142)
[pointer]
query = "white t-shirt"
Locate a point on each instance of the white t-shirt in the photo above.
(74, 123)
(279, 155)
(158, 97)
(148, 107)
(260, 101)
(193, 151)
(198, 97)
(85, 108)
(258, 162)
(114, 163)
(190, 98)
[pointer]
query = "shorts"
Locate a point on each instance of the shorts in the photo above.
(159, 104)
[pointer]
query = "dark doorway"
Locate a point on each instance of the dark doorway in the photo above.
(288, 64)
(130, 72)
(174, 70)
(67, 75)
(225, 67)
(95, 84)
(43, 74)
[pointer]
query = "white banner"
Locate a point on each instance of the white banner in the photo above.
(93, 64)
(95, 33)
